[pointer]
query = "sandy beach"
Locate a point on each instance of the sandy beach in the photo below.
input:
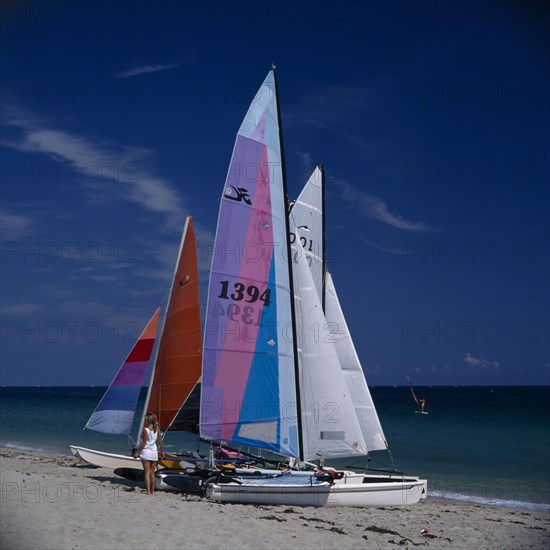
(53, 501)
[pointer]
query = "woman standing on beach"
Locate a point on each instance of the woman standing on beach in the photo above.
(147, 451)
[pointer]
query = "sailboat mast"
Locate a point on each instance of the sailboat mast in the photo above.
(323, 244)
(150, 386)
(290, 277)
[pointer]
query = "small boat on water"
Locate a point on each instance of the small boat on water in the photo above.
(421, 403)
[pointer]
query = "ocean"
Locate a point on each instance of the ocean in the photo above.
(482, 445)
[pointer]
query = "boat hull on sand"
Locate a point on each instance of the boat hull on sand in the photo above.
(113, 461)
(105, 460)
(179, 482)
(166, 480)
(352, 490)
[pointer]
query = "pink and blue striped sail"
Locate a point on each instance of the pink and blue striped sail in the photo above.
(248, 377)
(115, 412)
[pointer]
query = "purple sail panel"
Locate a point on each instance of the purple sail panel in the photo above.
(133, 374)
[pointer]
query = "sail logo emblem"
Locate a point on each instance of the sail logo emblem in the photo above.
(183, 281)
(241, 193)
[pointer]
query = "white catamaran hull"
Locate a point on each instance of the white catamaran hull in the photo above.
(105, 460)
(349, 491)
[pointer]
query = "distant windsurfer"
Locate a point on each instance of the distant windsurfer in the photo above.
(422, 405)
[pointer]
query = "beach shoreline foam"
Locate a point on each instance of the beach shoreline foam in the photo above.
(54, 501)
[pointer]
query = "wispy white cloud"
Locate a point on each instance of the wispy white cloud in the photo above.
(22, 309)
(382, 248)
(374, 370)
(14, 226)
(93, 309)
(160, 256)
(146, 69)
(357, 140)
(376, 208)
(105, 278)
(100, 164)
(481, 364)
(334, 107)
(306, 160)
(331, 102)
(298, 171)
(434, 368)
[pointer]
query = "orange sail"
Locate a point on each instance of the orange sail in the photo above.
(179, 357)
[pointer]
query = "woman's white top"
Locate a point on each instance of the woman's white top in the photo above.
(150, 451)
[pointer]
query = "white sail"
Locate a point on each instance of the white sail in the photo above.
(353, 372)
(307, 213)
(329, 423)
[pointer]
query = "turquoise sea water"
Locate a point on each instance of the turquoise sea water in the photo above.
(478, 444)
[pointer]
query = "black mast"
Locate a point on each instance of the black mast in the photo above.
(290, 277)
(323, 244)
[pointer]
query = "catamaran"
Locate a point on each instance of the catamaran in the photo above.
(267, 380)
(173, 387)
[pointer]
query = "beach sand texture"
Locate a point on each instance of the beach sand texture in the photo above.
(53, 501)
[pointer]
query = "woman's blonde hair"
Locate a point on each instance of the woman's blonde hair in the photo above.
(151, 420)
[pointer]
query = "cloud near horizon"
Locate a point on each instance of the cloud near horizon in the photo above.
(481, 364)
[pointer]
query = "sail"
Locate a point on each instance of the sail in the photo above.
(248, 374)
(412, 391)
(307, 213)
(329, 424)
(178, 362)
(187, 419)
(115, 412)
(308, 216)
(353, 372)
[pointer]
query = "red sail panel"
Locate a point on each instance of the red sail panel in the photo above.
(178, 366)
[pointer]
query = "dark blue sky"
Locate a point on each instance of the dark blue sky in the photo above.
(431, 117)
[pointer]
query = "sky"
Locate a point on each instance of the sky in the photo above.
(432, 119)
